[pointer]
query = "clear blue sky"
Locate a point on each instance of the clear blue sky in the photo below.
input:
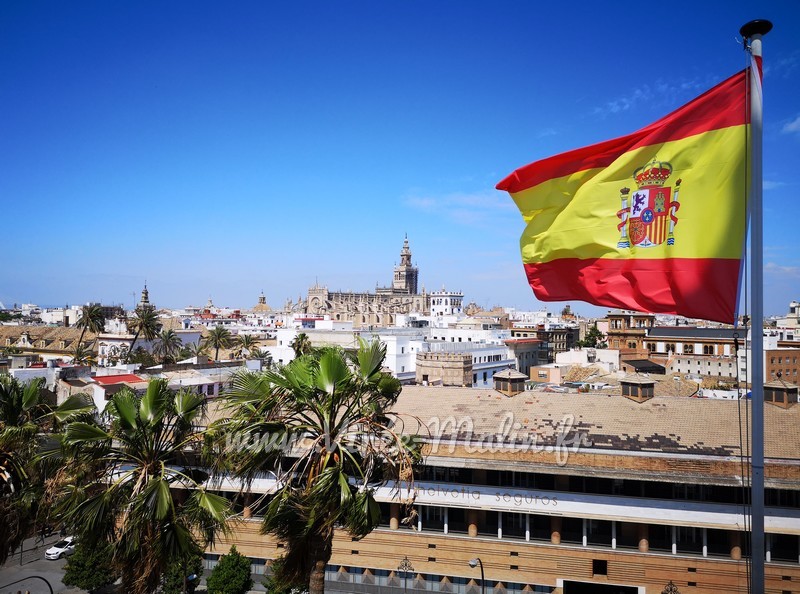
(218, 149)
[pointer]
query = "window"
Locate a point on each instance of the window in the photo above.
(599, 567)
(688, 349)
(708, 349)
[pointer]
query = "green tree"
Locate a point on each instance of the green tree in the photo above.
(301, 345)
(263, 355)
(246, 343)
(219, 338)
(144, 322)
(83, 355)
(91, 319)
(337, 403)
(176, 577)
(90, 568)
(142, 357)
(275, 583)
(142, 500)
(167, 346)
(25, 420)
(594, 339)
(196, 349)
(22, 416)
(231, 575)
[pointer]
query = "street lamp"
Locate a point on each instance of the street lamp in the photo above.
(405, 566)
(474, 563)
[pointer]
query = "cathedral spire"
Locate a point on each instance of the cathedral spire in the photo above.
(405, 274)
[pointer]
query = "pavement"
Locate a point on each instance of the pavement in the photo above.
(29, 562)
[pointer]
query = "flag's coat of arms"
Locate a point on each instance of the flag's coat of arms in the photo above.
(650, 217)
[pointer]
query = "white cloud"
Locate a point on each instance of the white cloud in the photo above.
(783, 66)
(791, 127)
(470, 209)
(772, 185)
(662, 95)
(772, 268)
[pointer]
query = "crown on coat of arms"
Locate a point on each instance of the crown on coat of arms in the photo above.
(655, 173)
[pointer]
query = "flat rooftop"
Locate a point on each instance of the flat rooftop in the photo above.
(661, 425)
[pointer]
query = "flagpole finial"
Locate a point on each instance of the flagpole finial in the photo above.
(756, 27)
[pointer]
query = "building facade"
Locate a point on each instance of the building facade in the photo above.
(374, 309)
(591, 493)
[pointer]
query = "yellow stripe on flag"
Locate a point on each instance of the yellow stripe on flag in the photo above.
(576, 216)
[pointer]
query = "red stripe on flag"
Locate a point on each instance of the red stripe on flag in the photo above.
(659, 286)
(720, 107)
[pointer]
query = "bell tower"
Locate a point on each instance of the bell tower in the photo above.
(405, 274)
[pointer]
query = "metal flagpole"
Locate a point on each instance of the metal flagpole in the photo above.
(752, 32)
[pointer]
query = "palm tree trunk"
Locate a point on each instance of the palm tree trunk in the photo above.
(130, 350)
(319, 555)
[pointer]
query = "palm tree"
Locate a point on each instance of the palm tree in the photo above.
(167, 345)
(194, 349)
(301, 345)
(83, 354)
(145, 322)
(22, 413)
(336, 404)
(246, 343)
(219, 338)
(263, 355)
(91, 319)
(141, 500)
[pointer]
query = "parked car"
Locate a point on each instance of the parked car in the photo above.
(62, 548)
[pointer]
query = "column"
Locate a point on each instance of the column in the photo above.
(472, 522)
(736, 545)
(499, 524)
(419, 519)
(644, 538)
(674, 532)
(394, 516)
(527, 526)
(446, 519)
(613, 534)
(769, 547)
(555, 530)
(705, 542)
(585, 529)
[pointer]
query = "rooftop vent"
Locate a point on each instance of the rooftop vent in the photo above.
(638, 388)
(510, 382)
(780, 393)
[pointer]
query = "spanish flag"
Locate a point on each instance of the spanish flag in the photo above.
(654, 221)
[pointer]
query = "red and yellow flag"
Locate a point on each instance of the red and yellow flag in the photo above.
(653, 221)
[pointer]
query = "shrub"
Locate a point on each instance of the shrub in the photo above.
(231, 575)
(172, 581)
(90, 568)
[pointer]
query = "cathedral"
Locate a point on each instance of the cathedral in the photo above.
(374, 309)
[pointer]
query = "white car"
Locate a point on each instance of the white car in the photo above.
(62, 548)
